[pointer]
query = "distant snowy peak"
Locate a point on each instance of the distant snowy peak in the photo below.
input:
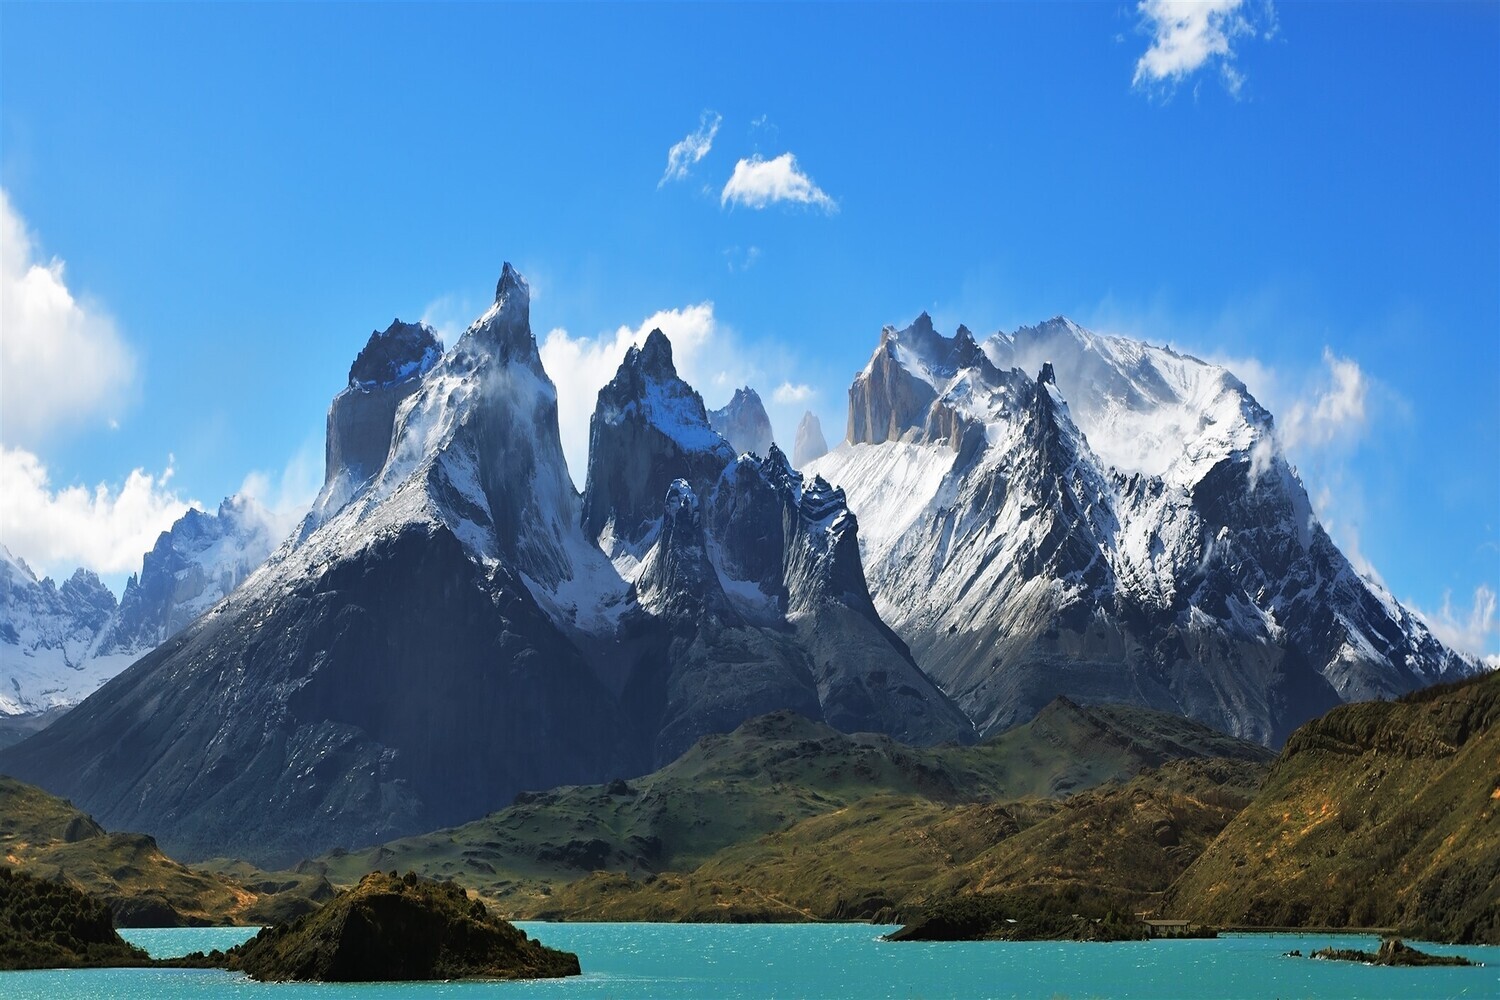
(810, 443)
(649, 429)
(922, 386)
(200, 560)
(58, 644)
(744, 423)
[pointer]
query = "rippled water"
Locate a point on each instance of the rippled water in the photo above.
(661, 961)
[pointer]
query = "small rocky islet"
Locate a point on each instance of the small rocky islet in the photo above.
(392, 928)
(1393, 951)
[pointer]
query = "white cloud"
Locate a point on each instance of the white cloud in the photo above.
(1186, 35)
(1337, 411)
(757, 182)
(287, 495)
(104, 528)
(1321, 415)
(787, 394)
(1472, 632)
(62, 362)
(693, 147)
(580, 367)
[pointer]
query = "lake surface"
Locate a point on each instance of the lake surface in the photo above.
(663, 961)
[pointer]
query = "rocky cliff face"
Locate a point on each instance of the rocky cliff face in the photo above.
(649, 428)
(1180, 567)
(362, 416)
(751, 596)
(743, 422)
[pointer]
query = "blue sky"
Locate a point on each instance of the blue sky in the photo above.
(209, 207)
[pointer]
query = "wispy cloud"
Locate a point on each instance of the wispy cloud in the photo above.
(758, 182)
(1187, 35)
(741, 260)
(287, 495)
(1336, 412)
(105, 528)
(1475, 630)
(693, 147)
(62, 362)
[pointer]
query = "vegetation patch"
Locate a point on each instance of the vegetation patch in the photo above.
(46, 925)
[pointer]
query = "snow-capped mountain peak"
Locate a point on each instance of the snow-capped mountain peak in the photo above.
(1123, 527)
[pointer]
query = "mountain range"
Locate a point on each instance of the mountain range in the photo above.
(1059, 512)
(59, 643)
(453, 623)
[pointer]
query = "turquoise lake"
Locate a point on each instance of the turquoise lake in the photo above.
(663, 961)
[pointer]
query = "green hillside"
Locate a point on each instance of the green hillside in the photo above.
(766, 777)
(47, 837)
(1378, 814)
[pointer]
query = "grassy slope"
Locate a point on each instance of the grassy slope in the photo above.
(766, 776)
(886, 857)
(1378, 814)
(49, 838)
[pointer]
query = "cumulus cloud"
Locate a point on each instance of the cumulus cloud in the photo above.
(104, 528)
(1472, 630)
(62, 361)
(693, 147)
(1187, 35)
(758, 182)
(786, 393)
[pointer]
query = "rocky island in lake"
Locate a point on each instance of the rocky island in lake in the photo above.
(389, 929)
(1393, 951)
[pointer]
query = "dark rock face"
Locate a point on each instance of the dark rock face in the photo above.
(404, 351)
(744, 423)
(649, 429)
(390, 929)
(362, 417)
(810, 443)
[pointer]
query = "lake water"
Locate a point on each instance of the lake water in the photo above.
(663, 961)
